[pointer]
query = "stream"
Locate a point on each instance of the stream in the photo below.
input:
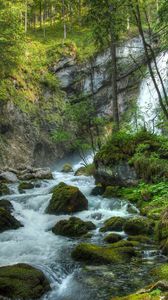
(35, 244)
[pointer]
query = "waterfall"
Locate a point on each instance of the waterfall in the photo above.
(148, 102)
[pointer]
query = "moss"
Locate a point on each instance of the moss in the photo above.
(5, 204)
(66, 199)
(88, 170)
(25, 186)
(112, 238)
(139, 225)
(113, 224)
(112, 191)
(145, 296)
(74, 227)
(161, 272)
(4, 190)
(140, 238)
(99, 255)
(143, 150)
(67, 168)
(22, 282)
(7, 221)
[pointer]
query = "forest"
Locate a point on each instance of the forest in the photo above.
(84, 149)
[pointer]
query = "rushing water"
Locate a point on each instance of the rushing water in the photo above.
(148, 102)
(37, 245)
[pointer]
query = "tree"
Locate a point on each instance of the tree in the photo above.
(11, 36)
(107, 21)
(138, 10)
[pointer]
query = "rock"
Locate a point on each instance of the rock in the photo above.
(32, 173)
(4, 190)
(6, 205)
(7, 221)
(94, 254)
(87, 170)
(67, 168)
(22, 281)
(97, 190)
(25, 186)
(112, 238)
(74, 227)
(96, 216)
(81, 172)
(140, 238)
(113, 224)
(120, 175)
(139, 225)
(8, 177)
(66, 199)
(111, 191)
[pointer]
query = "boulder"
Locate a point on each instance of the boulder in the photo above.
(94, 254)
(113, 238)
(22, 281)
(7, 205)
(33, 173)
(25, 186)
(97, 190)
(66, 199)
(67, 168)
(74, 227)
(139, 225)
(4, 190)
(140, 238)
(113, 224)
(8, 177)
(7, 221)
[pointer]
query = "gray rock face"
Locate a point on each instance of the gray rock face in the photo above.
(8, 177)
(94, 76)
(120, 175)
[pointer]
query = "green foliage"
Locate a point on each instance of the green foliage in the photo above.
(11, 36)
(145, 151)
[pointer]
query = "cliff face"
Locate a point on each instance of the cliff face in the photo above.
(93, 77)
(25, 138)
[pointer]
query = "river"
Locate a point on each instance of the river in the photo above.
(37, 245)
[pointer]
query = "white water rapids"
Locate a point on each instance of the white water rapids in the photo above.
(148, 103)
(35, 243)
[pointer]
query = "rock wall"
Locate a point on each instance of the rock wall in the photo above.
(25, 138)
(93, 77)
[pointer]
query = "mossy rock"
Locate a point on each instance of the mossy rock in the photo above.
(139, 225)
(140, 238)
(112, 191)
(67, 168)
(88, 170)
(7, 205)
(113, 224)
(22, 281)
(113, 238)
(4, 190)
(161, 272)
(74, 227)
(66, 199)
(145, 296)
(94, 254)
(25, 186)
(125, 243)
(7, 221)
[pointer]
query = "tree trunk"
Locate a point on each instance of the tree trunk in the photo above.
(26, 16)
(114, 84)
(137, 15)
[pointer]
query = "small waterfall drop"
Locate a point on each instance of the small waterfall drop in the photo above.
(148, 103)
